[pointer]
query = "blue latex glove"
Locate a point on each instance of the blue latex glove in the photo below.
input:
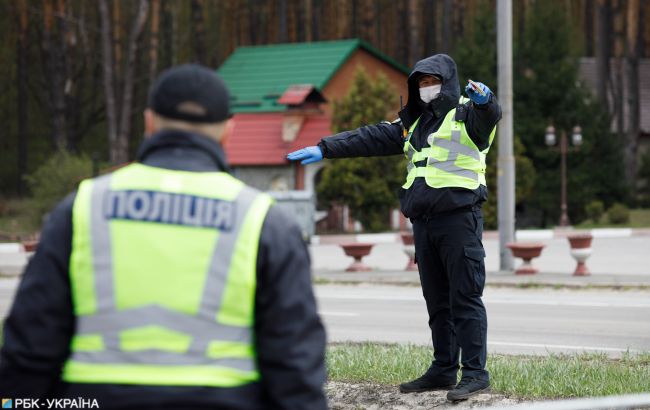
(308, 155)
(475, 96)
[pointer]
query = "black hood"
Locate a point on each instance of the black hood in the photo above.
(440, 65)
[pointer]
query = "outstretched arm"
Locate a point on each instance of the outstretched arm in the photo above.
(370, 141)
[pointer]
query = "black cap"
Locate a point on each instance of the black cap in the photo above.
(192, 93)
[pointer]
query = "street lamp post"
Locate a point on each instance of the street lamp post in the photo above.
(576, 138)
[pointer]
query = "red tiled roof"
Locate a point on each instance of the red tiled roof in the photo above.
(296, 94)
(257, 138)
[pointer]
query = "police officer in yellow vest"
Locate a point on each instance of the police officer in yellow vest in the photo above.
(169, 283)
(445, 138)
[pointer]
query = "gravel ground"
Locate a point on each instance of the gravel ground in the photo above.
(368, 396)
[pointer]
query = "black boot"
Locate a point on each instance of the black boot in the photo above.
(468, 387)
(427, 383)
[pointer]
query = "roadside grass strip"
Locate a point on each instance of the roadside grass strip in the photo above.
(526, 377)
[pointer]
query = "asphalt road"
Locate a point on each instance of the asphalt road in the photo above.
(521, 321)
(530, 321)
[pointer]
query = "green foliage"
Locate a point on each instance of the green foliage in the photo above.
(16, 220)
(366, 185)
(595, 210)
(56, 178)
(476, 59)
(547, 91)
(476, 55)
(367, 102)
(553, 376)
(618, 214)
(644, 179)
(524, 183)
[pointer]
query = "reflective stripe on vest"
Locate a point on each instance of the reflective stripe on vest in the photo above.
(454, 147)
(462, 165)
(204, 350)
(409, 150)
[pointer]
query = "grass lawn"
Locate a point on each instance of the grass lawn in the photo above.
(16, 219)
(554, 376)
(639, 218)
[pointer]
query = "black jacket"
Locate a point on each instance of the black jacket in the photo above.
(290, 339)
(420, 200)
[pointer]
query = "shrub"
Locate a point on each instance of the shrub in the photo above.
(369, 194)
(56, 178)
(644, 179)
(595, 210)
(618, 214)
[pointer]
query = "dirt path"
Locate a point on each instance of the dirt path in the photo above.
(367, 396)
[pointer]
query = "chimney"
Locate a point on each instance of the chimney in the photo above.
(301, 100)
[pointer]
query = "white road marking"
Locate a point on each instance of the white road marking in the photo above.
(345, 314)
(571, 347)
(566, 303)
(496, 301)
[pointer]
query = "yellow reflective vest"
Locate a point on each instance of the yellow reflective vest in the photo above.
(163, 276)
(451, 158)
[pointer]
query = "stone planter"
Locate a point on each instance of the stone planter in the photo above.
(357, 251)
(526, 251)
(581, 251)
(409, 249)
(30, 246)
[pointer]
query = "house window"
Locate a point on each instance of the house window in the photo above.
(279, 183)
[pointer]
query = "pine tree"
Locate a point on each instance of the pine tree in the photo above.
(547, 91)
(476, 57)
(367, 185)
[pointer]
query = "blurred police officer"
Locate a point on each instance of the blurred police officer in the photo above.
(446, 139)
(168, 283)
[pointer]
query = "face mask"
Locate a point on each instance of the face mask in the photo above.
(427, 94)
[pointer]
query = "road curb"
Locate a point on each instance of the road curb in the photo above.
(520, 235)
(526, 285)
(493, 280)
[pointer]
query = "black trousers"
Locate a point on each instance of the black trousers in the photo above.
(450, 257)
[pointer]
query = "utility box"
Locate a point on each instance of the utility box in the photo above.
(301, 205)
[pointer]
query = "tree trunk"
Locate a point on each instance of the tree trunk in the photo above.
(129, 73)
(282, 28)
(308, 20)
(632, 84)
(255, 15)
(447, 16)
(414, 13)
(21, 75)
(199, 32)
(68, 46)
(589, 27)
(317, 20)
(109, 87)
(521, 19)
(55, 68)
(117, 39)
(167, 35)
(153, 41)
(430, 26)
(603, 49)
(354, 22)
(340, 18)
